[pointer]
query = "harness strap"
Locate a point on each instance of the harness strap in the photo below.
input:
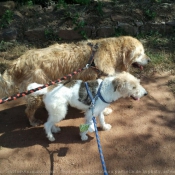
(91, 60)
(98, 95)
(93, 99)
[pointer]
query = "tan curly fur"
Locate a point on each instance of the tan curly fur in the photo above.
(42, 65)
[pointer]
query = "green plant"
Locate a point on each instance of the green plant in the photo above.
(99, 8)
(119, 31)
(30, 3)
(61, 4)
(2, 45)
(6, 18)
(78, 22)
(150, 14)
(79, 26)
(115, 1)
(82, 2)
(83, 34)
(49, 34)
(158, 1)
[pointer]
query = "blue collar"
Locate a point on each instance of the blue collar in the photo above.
(93, 99)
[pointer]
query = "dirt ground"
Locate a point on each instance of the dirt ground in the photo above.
(142, 137)
(141, 140)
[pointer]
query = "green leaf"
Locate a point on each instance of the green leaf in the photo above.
(84, 127)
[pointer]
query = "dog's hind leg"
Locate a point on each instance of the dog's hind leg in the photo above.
(33, 102)
(57, 112)
(48, 126)
(102, 122)
(107, 111)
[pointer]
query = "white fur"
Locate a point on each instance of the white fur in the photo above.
(57, 100)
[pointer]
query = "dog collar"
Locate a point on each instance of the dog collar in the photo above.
(99, 94)
(91, 62)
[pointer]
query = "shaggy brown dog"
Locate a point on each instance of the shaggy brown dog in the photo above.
(42, 65)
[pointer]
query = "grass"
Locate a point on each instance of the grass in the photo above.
(13, 48)
(162, 53)
(161, 50)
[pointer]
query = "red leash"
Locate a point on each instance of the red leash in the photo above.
(22, 94)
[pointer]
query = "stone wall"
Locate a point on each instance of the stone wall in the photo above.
(33, 23)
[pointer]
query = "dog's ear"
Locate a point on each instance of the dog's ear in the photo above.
(103, 59)
(128, 56)
(118, 84)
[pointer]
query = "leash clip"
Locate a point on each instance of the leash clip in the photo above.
(92, 105)
(5, 99)
(87, 66)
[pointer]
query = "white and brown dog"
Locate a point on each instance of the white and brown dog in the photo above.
(74, 93)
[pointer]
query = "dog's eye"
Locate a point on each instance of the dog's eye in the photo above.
(134, 87)
(139, 55)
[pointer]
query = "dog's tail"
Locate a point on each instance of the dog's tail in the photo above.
(36, 85)
(7, 87)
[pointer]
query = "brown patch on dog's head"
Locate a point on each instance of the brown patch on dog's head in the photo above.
(118, 84)
(122, 80)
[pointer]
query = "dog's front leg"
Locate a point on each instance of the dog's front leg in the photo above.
(89, 121)
(102, 122)
(83, 135)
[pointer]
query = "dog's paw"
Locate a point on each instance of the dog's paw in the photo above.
(107, 111)
(55, 129)
(51, 138)
(107, 127)
(35, 122)
(84, 137)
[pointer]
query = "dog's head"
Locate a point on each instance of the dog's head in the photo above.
(128, 86)
(120, 54)
(134, 54)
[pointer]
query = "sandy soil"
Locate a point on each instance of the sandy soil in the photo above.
(141, 140)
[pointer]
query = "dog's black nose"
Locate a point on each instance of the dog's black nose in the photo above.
(149, 60)
(146, 93)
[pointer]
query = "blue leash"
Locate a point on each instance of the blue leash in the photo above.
(95, 125)
(99, 147)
